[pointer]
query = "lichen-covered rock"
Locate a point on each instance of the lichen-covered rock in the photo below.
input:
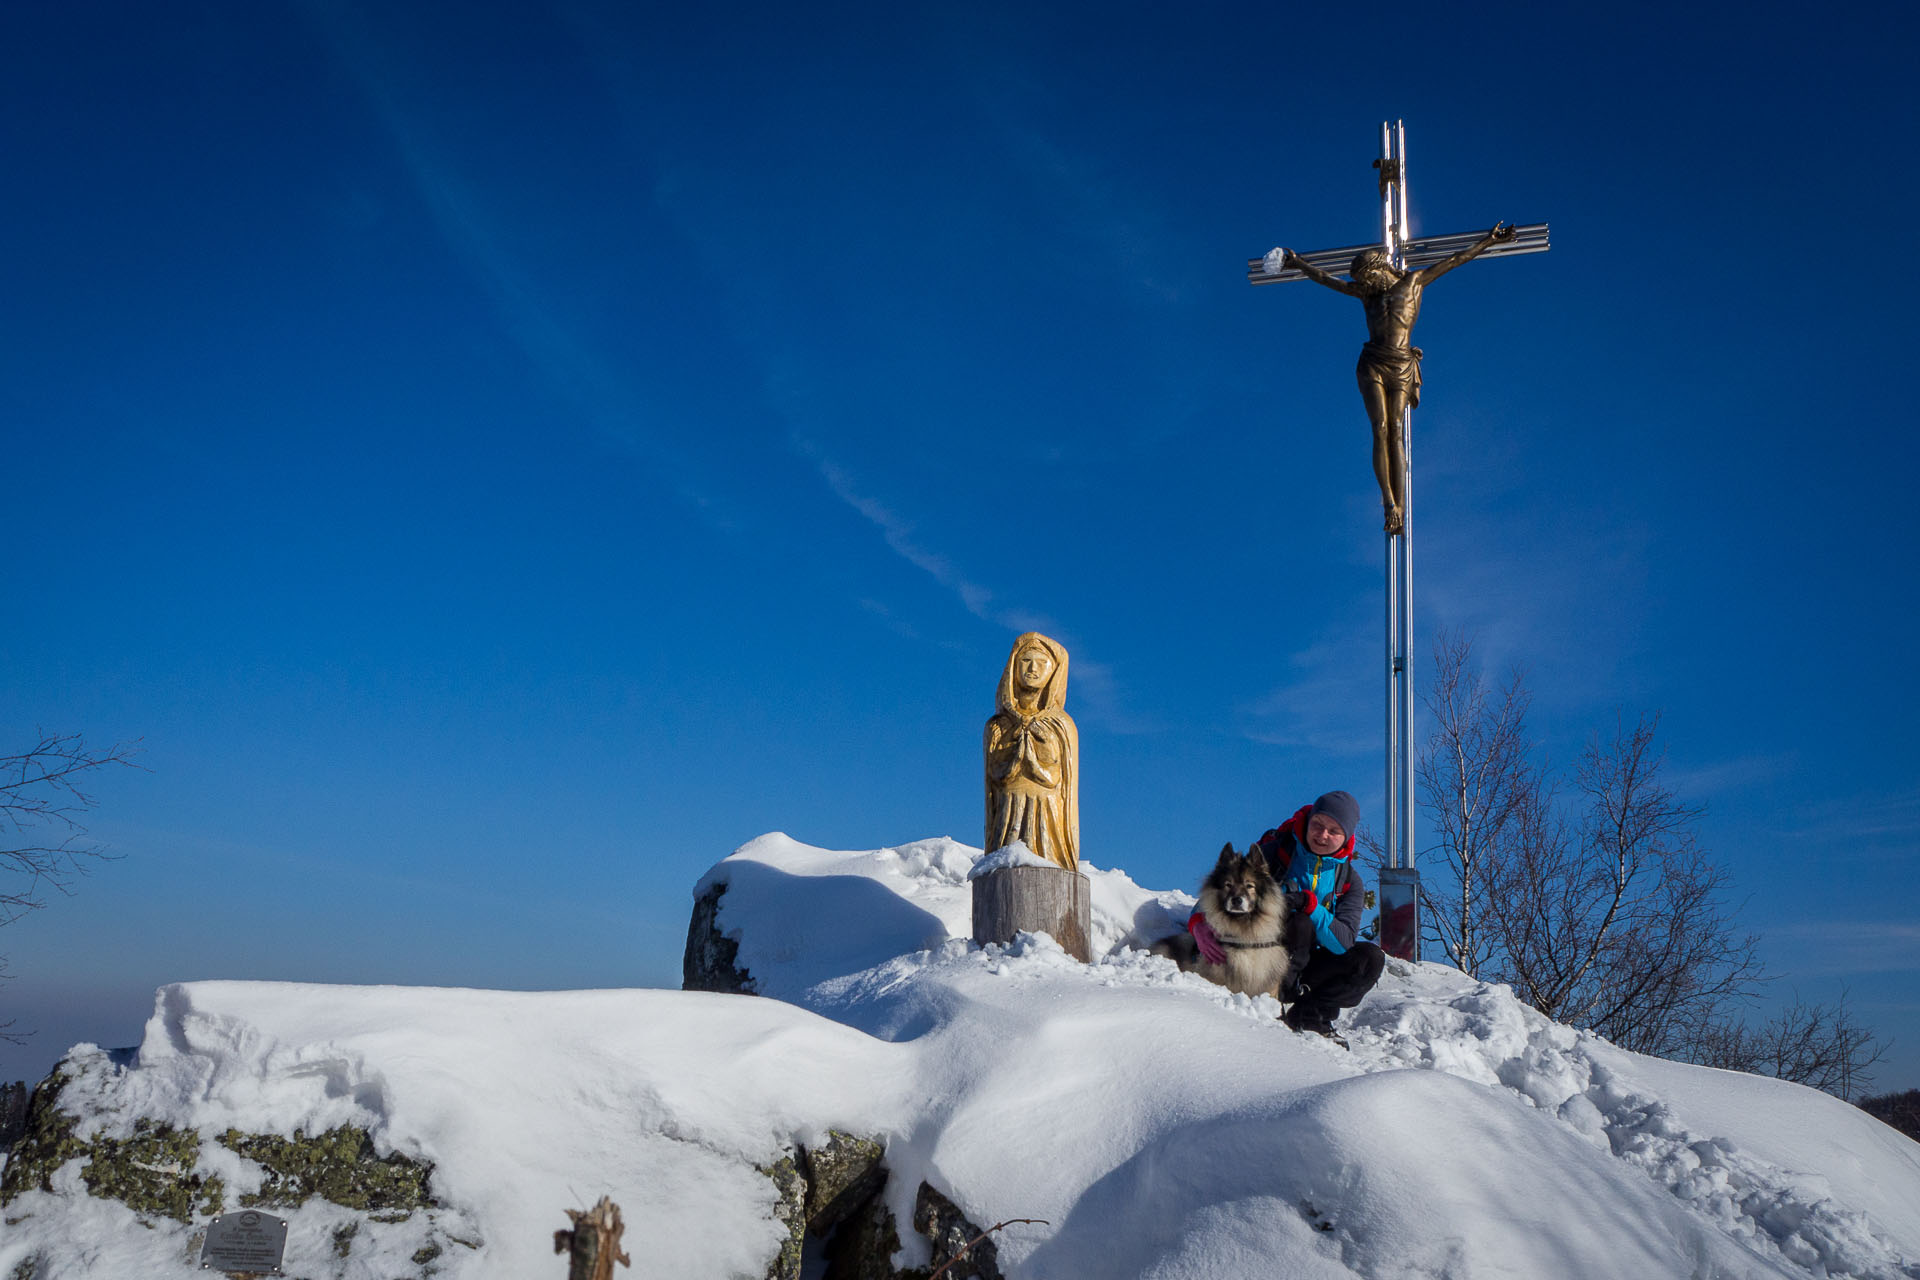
(46, 1143)
(151, 1171)
(710, 962)
(949, 1231)
(791, 1210)
(843, 1173)
(357, 1203)
(863, 1247)
(338, 1165)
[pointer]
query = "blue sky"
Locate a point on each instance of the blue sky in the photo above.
(498, 459)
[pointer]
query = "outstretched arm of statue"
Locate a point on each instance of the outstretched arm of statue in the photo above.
(1500, 234)
(1295, 262)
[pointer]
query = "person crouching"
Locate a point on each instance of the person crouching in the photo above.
(1311, 855)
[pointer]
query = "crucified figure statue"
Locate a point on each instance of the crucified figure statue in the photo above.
(1389, 369)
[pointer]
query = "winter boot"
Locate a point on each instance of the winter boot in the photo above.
(1308, 1018)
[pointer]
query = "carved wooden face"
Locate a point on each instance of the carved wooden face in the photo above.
(1032, 667)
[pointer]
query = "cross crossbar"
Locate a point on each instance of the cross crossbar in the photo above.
(1531, 238)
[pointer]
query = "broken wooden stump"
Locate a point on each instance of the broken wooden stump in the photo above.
(593, 1242)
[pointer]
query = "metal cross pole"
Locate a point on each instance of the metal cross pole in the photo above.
(1399, 879)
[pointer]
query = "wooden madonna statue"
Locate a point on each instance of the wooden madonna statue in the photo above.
(1029, 879)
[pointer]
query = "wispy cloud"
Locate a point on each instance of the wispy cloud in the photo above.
(1097, 689)
(1536, 577)
(898, 534)
(1894, 817)
(1329, 705)
(1704, 782)
(550, 340)
(1842, 947)
(1878, 825)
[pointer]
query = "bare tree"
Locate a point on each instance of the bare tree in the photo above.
(1812, 1044)
(43, 843)
(1617, 919)
(1901, 1110)
(1591, 896)
(1474, 774)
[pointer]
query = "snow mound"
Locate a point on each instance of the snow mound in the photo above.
(1479, 1032)
(803, 915)
(1156, 1124)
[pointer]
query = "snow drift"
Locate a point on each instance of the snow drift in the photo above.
(1159, 1125)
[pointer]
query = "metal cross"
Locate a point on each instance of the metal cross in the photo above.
(1399, 881)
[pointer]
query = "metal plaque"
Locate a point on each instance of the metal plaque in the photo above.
(248, 1241)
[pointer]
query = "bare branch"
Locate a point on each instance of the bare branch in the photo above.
(1598, 906)
(1471, 772)
(961, 1252)
(1818, 1045)
(45, 844)
(1901, 1110)
(40, 792)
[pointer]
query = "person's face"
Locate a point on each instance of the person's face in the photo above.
(1032, 668)
(1324, 835)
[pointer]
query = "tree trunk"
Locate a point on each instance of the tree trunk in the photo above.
(1050, 900)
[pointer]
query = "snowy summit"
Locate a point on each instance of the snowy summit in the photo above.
(1145, 1122)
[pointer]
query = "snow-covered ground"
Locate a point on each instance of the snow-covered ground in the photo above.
(1159, 1125)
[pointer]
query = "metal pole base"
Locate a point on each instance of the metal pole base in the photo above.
(1400, 912)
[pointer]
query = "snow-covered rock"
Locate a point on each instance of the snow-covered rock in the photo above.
(1156, 1125)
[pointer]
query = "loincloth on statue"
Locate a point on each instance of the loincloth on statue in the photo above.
(1392, 369)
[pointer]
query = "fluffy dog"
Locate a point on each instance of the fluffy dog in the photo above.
(1243, 905)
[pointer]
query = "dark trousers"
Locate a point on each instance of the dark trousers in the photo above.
(1329, 983)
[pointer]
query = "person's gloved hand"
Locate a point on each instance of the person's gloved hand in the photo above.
(1301, 901)
(1205, 939)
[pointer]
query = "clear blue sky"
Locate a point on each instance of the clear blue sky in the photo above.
(501, 458)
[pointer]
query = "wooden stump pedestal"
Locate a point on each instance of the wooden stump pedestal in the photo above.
(1050, 900)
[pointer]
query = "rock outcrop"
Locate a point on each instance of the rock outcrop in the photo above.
(710, 962)
(155, 1169)
(830, 1197)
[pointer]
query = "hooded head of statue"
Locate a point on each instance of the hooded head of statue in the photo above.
(1035, 678)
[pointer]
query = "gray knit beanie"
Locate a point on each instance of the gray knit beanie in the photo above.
(1342, 808)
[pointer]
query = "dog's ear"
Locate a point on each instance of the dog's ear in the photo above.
(1227, 854)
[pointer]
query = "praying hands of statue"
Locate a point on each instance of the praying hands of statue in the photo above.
(1030, 751)
(1032, 737)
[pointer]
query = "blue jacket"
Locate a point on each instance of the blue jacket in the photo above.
(1336, 918)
